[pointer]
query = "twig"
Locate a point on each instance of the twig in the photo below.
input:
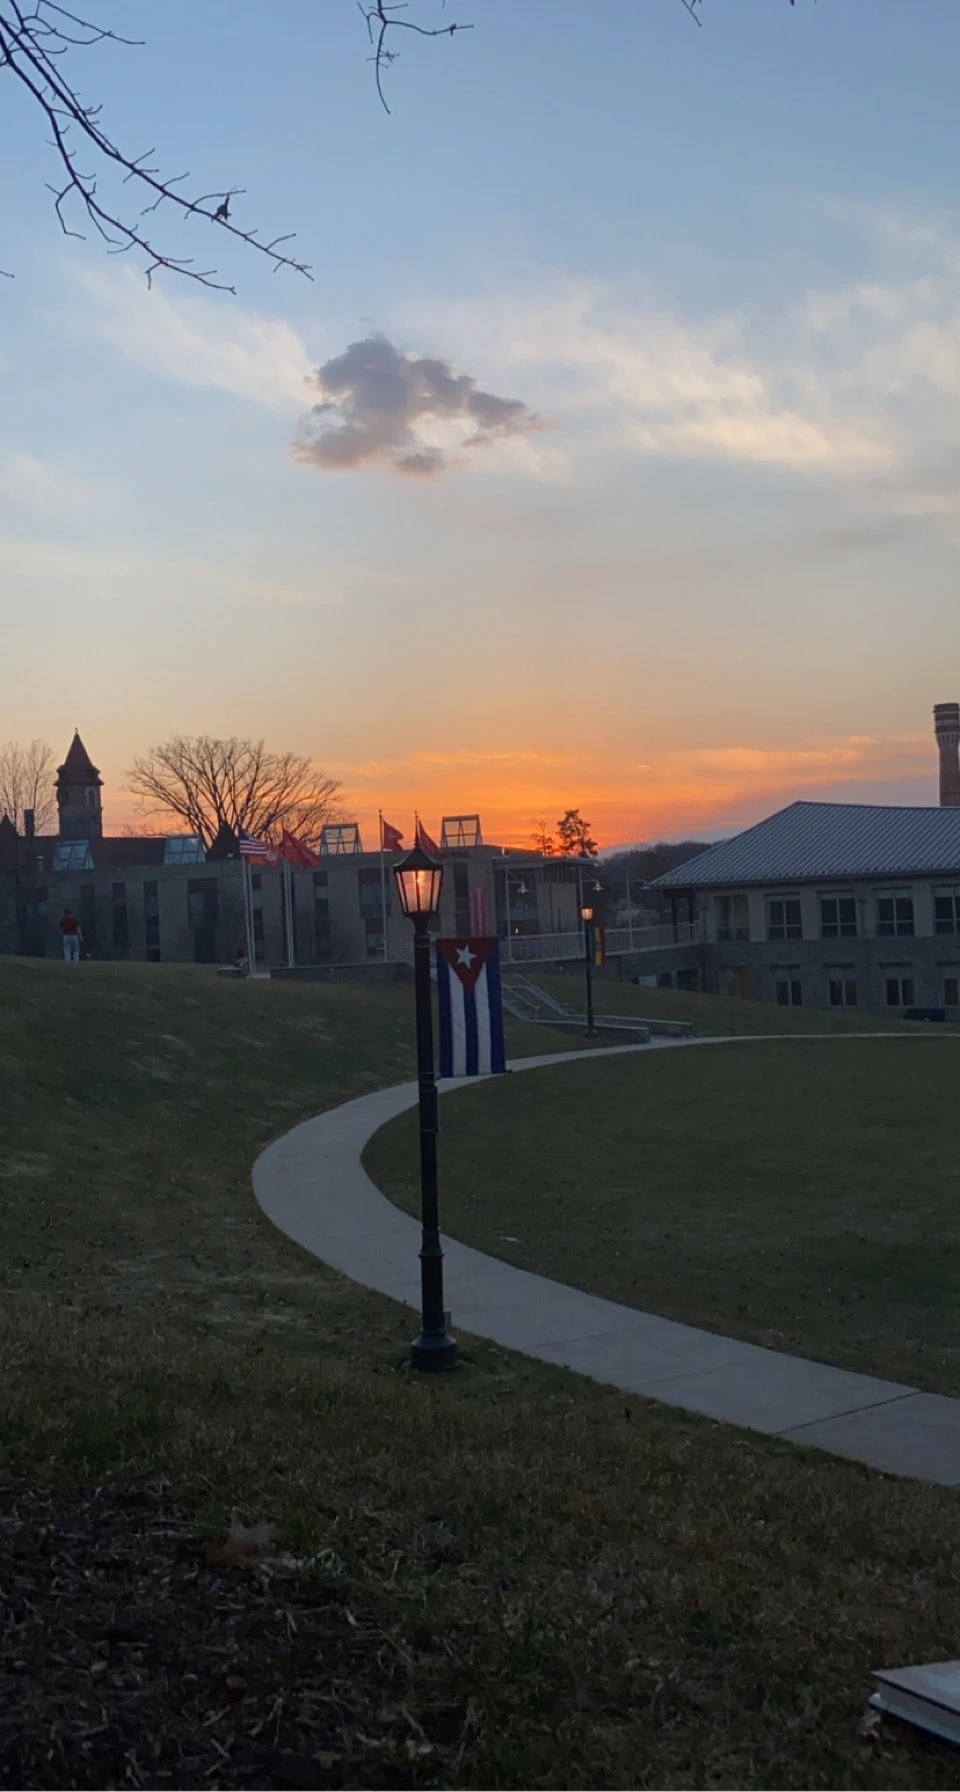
(380, 18)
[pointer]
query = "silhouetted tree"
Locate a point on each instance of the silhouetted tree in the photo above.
(204, 782)
(27, 782)
(543, 840)
(574, 836)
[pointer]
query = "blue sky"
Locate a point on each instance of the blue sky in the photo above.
(711, 563)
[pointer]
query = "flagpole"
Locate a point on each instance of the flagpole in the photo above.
(383, 890)
(287, 874)
(248, 915)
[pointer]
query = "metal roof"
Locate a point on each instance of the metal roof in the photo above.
(815, 841)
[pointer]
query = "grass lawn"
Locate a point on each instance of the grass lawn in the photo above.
(799, 1194)
(714, 1014)
(505, 1578)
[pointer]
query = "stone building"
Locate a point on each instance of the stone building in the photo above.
(164, 898)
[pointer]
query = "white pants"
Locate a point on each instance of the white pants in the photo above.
(71, 947)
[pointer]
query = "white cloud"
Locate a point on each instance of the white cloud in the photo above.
(623, 375)
(206, 343)
(857, 383)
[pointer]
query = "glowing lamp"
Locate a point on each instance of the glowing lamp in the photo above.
(419, 879)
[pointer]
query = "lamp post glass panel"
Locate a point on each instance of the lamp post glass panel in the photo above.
(419, 881)
(586, 916)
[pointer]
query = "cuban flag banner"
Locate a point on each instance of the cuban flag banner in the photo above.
(471, 1012)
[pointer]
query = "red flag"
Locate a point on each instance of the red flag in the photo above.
(296, 852)
(391, 837)
(424, 841)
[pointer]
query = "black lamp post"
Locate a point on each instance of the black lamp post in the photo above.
(418, 886)
(586, 916)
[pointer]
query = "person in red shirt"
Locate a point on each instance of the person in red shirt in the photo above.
(70, 929)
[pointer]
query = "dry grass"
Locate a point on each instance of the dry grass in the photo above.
(716, 1014)
(798, 1194)
(547, 1585)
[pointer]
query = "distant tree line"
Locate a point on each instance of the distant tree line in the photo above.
(643, 864)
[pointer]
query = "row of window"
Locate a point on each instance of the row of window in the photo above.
(839, 918)
(899, 991)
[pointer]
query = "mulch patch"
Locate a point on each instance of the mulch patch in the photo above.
(126, 1659)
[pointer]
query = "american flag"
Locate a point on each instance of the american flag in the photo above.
(251, 847)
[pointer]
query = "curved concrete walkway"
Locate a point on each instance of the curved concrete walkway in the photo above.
(313, 1187)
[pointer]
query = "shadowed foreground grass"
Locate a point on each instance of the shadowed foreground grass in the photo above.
(801, 1194)
(545, 1585)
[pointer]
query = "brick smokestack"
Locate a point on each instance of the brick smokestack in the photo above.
(946, 726)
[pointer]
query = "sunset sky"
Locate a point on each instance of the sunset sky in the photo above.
(636, 484)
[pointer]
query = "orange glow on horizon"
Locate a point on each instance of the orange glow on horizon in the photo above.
(684, 793)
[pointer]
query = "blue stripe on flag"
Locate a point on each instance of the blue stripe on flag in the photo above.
(498, 1056)
(470, 1018)
(443, 1002)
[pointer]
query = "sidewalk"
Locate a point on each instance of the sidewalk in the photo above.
(311, 1184)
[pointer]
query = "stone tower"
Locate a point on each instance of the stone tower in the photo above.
(78, 795)
(946, 722)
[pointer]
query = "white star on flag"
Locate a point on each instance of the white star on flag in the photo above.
(465, 956)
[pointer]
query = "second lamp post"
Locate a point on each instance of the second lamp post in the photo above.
(586, 916)
(419, 879)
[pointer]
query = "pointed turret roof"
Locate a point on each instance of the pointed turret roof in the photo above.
(78, 767)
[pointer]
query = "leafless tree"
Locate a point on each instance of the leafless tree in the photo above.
(204, 782)
(27, 782)
(542, 839)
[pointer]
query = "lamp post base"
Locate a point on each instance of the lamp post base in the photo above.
(434, 1351)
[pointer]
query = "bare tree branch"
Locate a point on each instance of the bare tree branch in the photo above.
(381, 18)
(27, 782)
(36, 43)
(206, 782)
(33, 40)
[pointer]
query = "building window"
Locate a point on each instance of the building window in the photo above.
(183, 849)
(256, 881)
(838, 918)
(321, 925)
(88, 918)
(951, 992)
(842, 990)
(72, 855)
(374, 937)
(733, 918)
(90, 797)
(894, 914)
(789, 992)
(319, 880)
(371, 895)
(151, 920)
(899, 992)
(121, 923)
(783, 918)
(946, 911)
(462, 922)
(258, 929)
(203, 902)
